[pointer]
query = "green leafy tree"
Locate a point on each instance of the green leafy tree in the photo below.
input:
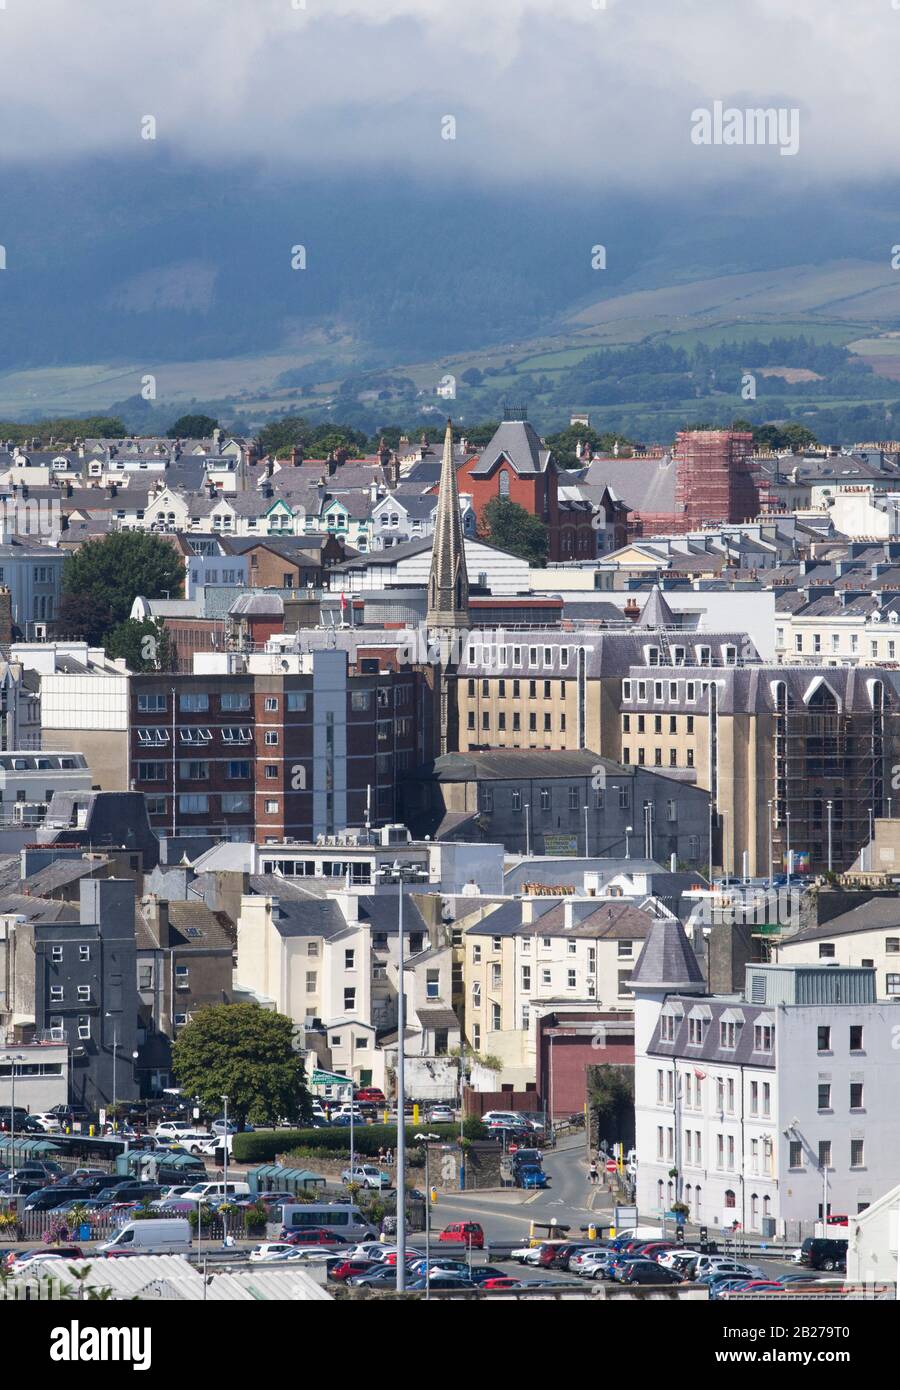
(512, 528)
(280, 436)
(611, 1099)
(103, 578)
(246, 1053)
(193, 427)
(65, 428)
(146, 646)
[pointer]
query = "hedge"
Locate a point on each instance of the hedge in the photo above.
(264, 1145)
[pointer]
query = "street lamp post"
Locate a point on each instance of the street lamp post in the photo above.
(426, 1140)
(115, 1057)
(400, 871)
(628, 830)
(771, 849)
(829, 806)
(225, 1170)
(16, 1057)
(586, 842)
(528, 829)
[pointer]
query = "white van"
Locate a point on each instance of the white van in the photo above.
(340, 1217)
(202, 1191)
(171, 1236)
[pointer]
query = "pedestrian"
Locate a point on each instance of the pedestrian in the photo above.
(593, 1170)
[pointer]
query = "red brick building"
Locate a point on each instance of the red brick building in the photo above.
(517, 467)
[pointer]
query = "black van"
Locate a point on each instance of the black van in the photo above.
(820, 1253)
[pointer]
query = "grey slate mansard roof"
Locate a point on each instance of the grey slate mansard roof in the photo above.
(714, 1009)
(667, 960)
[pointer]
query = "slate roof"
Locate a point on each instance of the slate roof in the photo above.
(667, 960)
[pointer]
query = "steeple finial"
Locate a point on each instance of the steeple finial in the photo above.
(448, 583)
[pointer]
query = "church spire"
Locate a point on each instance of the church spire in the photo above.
(448, 583)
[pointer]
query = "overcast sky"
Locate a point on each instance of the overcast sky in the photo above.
(537, 87)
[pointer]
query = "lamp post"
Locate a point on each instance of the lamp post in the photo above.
(401, 871)
(528, 829)
(586, 848)
(115, 1057)
(829, 807)
(225, 1170)
(771, 849)
(628, 830)
(16, 1057)
(787, 840)
(426, 1140)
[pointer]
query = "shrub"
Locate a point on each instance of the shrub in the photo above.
(263, 1145)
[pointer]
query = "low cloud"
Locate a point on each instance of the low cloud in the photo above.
(574, 89)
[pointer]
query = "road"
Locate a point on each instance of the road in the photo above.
(570, 1200)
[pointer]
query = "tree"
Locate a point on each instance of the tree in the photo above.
(512, 528)
(280, 436)
(246, 1053)
(146, 646)
(611, 1100)
(473, 377)
(193, 427)
(103, 578)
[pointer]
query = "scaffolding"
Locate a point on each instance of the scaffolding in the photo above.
(830, 777)
(714, 479)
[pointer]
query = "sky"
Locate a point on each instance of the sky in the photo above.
(598, 91)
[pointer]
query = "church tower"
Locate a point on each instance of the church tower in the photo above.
(447, 620)
(448, 583)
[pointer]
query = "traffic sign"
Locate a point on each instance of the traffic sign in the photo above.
(612, 1166)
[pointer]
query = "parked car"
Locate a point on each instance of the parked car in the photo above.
(71, 1114)
(343, 1269)
(46, 1198)
(440, 1115)
(505, 1281)
(366, 1175)
(267, 1249)
(647, 1272)
(467, 1233)
(824, 1253)
(19, 1259)
(441, 1281)
(370, 1095)
(315, 1235)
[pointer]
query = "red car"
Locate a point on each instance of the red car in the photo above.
(503, 1282)
(312, 1235)
(467, 1233)
(370, 1095)
(345, 1269)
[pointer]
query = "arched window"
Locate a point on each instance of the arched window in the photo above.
(730, 1198)
(754, 1211)
(504, 483)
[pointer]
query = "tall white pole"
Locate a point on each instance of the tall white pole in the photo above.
(401, 1102)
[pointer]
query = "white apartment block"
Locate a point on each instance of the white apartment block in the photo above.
(767, 1107)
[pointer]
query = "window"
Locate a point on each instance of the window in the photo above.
(892, 945)
(84, 994)
(824, 1153)
(151, 704)
(231, 703)
(192, 703)
(892, 984)
(153, 772)
(571, 979)
(763, 1035)
(271, 705)
(856, 1037)
(857, 1153)
(349, 999)
(823, 1039)
(695, 1032)
(56, 994)
(727, 1035)
(824, 1096)
(526, 979)
(856, 1095)
(56, 953)
(271, 737)
(495, 975)
(197, 805)
(195, 771)
(476, 994)
(350, 959)
(145, 977)
(182, 977)
(476, 954)
(795, 1154)
(84, 1028)
(545, 798)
